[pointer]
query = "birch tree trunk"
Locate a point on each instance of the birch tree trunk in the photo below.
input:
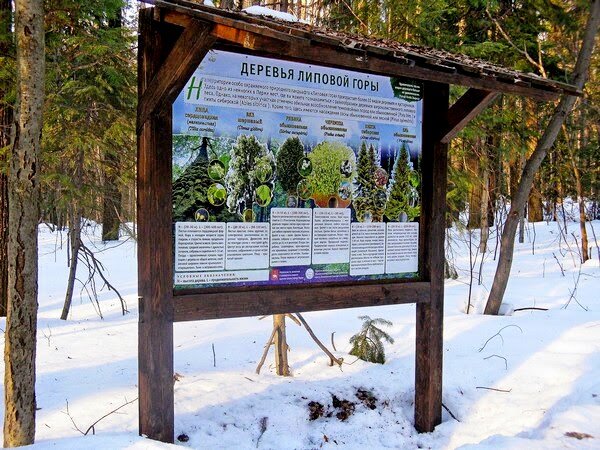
(23, 199)
(534, 162)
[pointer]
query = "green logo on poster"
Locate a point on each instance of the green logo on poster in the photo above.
(191, 88)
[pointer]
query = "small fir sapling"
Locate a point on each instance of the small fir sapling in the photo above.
(368, 343)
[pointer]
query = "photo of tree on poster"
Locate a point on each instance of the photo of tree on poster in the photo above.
(318, 159)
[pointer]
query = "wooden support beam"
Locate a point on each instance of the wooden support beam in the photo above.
(466, 109)
(155, 258)
(174, 72)
(219, 305)
(430, 316)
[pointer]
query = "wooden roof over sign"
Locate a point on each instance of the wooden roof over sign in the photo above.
(306, 43)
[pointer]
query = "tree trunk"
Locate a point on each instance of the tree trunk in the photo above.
(474, 168)
(4, 113)
(535, 160)
(534, 204)
(23, 200)
(74, 235)
(75, 242)
(111, 199)
(281, 348)
(6, 119)
(111, 195)
(580, 200)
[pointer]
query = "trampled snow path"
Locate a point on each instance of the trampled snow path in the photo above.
(548, 361)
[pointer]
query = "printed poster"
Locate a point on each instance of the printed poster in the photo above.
(289, 173)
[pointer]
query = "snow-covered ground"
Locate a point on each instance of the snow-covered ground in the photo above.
(526, 381)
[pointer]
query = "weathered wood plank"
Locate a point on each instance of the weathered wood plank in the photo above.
(465, 109)
(304, 51)
(429, 327)
(335, 54)
(187, 53)
(155, 328)
(201, 306)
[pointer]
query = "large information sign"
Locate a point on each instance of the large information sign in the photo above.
(288, 173)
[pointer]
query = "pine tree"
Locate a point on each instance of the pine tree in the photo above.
(378, 196)
(190, 188)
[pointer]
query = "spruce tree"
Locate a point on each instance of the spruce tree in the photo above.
(400, 190)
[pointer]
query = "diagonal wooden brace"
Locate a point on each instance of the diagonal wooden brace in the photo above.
(464, 110)
(193, 44)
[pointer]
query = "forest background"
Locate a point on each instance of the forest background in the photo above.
(87, 168)
(88, 147)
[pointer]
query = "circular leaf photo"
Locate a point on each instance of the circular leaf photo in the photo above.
(201, 215)
(381, 177)
(263, 195)
(264, 172)
(380, 198)
(304, 190)
(305, 167)
(216, 170)
(248, 215)
(217, 194)
(292, 202)
(345, 190)
(346, 168)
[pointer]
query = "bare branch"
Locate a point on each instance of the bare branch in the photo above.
(266, 351)
(493, 389)
(332, 358)
(523, 52)
(501, 357)
(450, 412)
(500, 335)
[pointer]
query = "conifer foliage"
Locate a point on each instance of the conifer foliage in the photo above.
(288, 156)
(368, 343)
(369, 198)
(401, 190)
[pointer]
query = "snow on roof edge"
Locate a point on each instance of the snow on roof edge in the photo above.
(268, 12)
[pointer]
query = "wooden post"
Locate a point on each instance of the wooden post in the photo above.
(429, 327)
(155, 268)
(280, 346)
